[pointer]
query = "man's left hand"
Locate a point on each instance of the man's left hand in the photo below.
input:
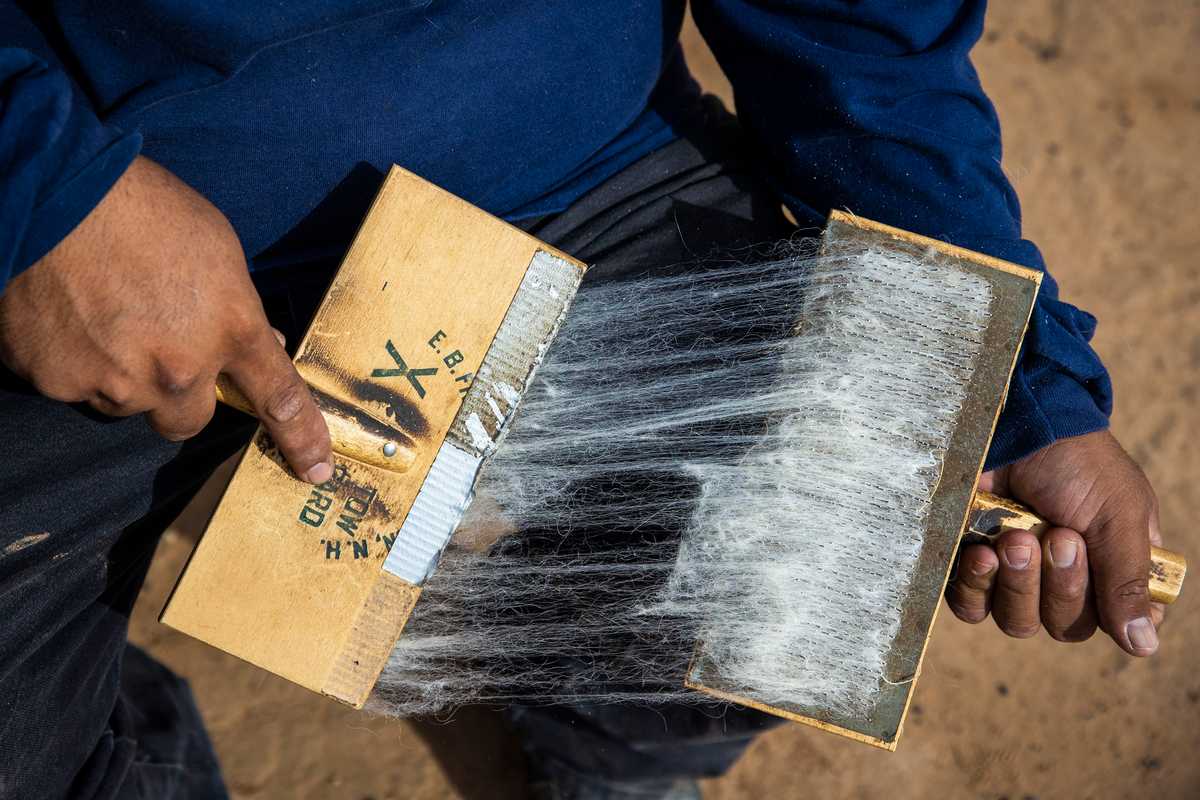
(1091, 569)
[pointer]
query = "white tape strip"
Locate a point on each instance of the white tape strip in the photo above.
(434, 515)
(537, 309)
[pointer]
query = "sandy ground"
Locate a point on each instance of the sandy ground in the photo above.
(1100, 102)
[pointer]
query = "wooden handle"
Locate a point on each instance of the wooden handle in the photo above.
(354, 433)
(991, 516)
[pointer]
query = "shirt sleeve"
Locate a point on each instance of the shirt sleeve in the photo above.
(57, 159)
(875, 107)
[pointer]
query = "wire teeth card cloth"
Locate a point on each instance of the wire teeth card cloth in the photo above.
(739, 454)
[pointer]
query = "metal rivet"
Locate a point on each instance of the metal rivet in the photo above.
(389, 449)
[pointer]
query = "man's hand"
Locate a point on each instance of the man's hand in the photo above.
(140, 308)
(1092, 570)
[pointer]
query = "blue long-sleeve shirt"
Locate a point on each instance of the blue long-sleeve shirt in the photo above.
(521, 107)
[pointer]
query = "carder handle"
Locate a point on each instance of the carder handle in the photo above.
(991, 516)
(353, 433)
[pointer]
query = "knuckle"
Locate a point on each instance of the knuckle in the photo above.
(1114, 542)
(178, 429)
(106, 408)
(1019, 629)
(1066, 589)
(1021, 587)
(1126, 508)
(110, 409)
(969, 613)
(982, 585)
(977, 583)
(1135, 590)
(286, 402)
(116, 392)
(976, 570)
(177, 376)
(242, 334)
(1071, 633)
(309, 455)
(178, 422)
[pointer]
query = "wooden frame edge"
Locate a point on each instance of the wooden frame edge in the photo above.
(952, 250)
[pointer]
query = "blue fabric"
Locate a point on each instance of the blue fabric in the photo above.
(875, 107)
(521, 107)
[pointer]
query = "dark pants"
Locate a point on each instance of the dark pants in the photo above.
(84, 498)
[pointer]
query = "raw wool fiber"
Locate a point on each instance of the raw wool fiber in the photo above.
(742, 454)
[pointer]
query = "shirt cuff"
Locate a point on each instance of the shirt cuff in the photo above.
(57, 159)
(1059, 388)
(62, 211)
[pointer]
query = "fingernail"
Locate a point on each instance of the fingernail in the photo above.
(1062, 553)
(320, 473)
(1142, 635)
(980, 568)
(1017, 556)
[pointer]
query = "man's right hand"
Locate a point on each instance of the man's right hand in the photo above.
(142, 306)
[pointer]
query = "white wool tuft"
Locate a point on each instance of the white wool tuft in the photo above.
(742, 454)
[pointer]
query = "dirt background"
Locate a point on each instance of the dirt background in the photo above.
(1100, 103)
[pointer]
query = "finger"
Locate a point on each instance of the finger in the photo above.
(1015, 599)
(283, 402)
(970, 594)
(279, 337)
(1067, 611)
(183, 415)
(1119, 554)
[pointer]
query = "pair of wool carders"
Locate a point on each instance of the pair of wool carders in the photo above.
(773, 460)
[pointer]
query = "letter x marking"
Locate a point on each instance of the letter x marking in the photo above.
(402, 371)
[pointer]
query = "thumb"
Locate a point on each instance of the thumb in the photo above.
(1118, 542)
(284, 404)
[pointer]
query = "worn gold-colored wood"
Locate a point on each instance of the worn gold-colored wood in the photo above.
(287, 575)
(371, 639)
(992, 515)
(938, 246)
(1167, 571)
(352, 433)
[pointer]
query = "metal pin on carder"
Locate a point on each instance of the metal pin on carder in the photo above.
(389, 449)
